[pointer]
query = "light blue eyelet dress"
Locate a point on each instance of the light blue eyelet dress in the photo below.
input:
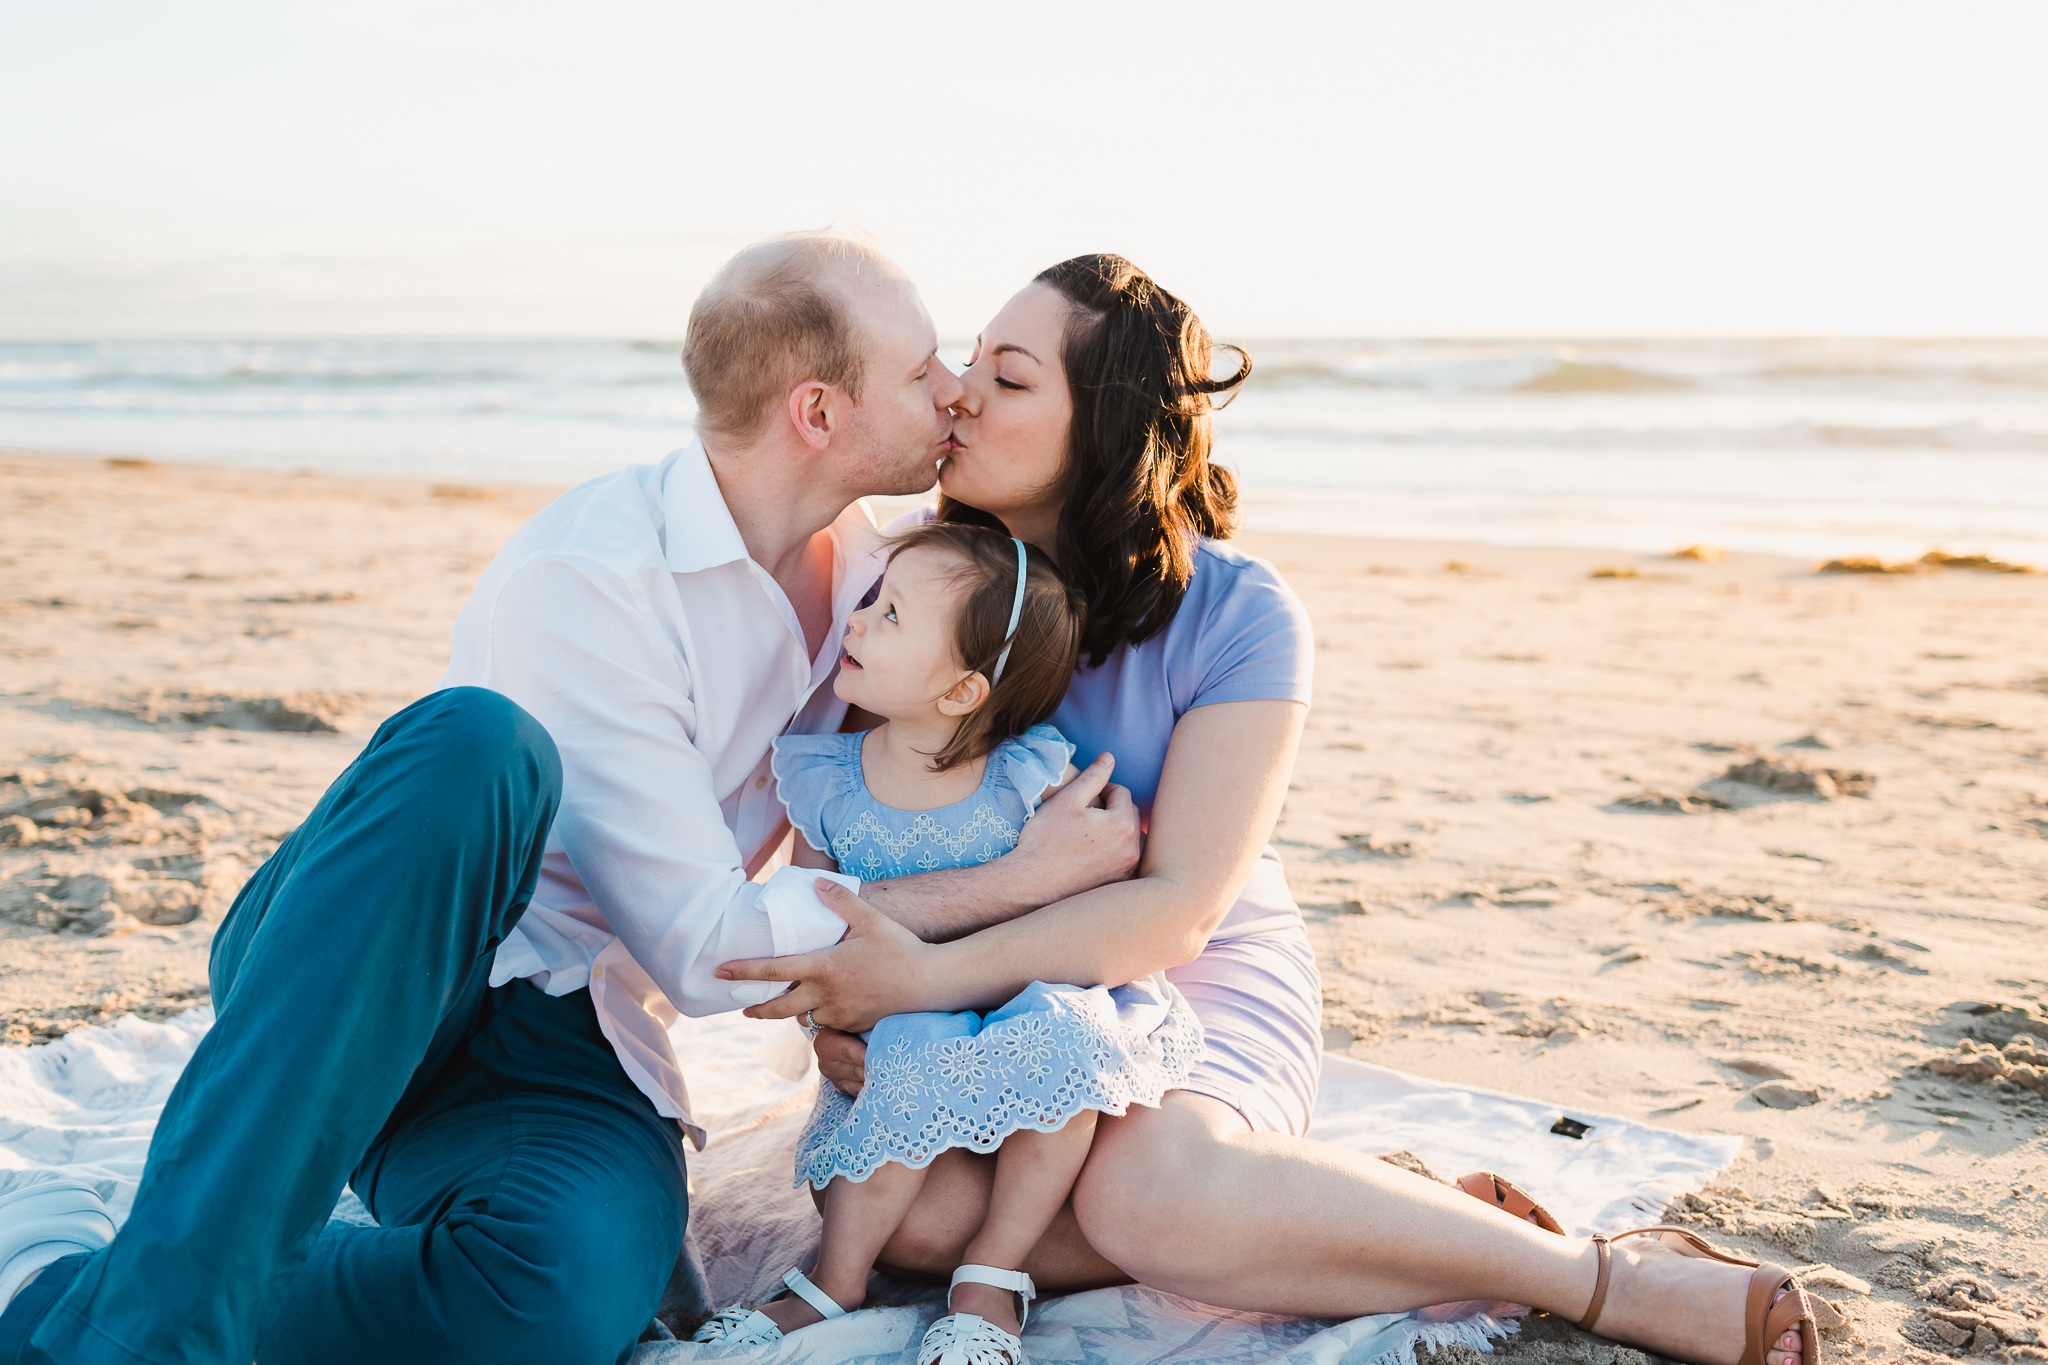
(970, 1080)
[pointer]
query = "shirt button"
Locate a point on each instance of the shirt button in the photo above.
(760, 783)
(597, 972)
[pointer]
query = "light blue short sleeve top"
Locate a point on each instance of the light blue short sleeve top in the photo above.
(820, 781)
(1240, 635)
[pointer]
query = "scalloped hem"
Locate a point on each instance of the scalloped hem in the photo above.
(1116, 1112)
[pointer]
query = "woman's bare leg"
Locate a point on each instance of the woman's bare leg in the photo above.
(1345, 1236)
(859, 1220)
(1034, 1174)
(1188, 1199)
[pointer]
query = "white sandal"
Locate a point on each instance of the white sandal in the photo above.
(967, 1339)
(752, 1327)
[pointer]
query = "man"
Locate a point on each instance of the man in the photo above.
(450, 987)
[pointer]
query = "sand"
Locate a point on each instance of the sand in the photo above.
(1511, 827)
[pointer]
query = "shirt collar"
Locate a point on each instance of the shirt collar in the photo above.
(701, 532)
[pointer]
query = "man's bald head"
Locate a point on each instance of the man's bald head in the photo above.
(778, 314)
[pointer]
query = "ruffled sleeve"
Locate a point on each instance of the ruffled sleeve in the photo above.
(1034, 761)
(811, 773)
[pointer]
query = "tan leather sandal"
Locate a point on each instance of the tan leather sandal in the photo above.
(1768, 1315)
(1509, 1198)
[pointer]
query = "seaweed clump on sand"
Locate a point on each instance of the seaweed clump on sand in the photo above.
(1934, 561)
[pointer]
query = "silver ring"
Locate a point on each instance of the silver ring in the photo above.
(809, 1023)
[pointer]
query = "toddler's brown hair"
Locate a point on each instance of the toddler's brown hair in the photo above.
(1043, 652)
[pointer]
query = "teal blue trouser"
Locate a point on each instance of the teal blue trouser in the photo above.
(530, 1200)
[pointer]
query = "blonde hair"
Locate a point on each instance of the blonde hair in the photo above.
(770, 319)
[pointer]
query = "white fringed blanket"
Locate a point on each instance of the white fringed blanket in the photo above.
(85, 1106)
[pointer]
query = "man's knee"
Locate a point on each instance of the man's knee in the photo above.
(479, 745)
(480, 728)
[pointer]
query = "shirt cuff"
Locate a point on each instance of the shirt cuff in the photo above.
(516, 959)
(798, 922)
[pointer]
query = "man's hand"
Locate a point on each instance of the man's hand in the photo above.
(879, 968)
(1086, 834)
(842, 1059)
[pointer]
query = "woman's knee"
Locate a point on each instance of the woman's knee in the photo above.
(1143, 1179)
(948, 1211)
(923, 1248)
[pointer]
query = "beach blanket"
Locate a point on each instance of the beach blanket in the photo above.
(85, 1105)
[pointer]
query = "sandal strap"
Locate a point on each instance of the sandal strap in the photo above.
(1510, 1198)
(1016, 1281)
(1699, 1244)
(968, 1339)
(800, 1285)
(738, 1326)
(1770, 1316)
(1599, 1288)
(1797, 1312)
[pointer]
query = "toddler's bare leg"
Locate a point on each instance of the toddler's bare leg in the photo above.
(859, 1220)
(1034, 1174)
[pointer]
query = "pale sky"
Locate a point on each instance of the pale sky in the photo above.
(224, 167)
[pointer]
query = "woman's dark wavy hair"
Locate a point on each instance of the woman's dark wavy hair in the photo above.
(1138, 487)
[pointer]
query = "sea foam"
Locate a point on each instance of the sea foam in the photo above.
(1813, 446)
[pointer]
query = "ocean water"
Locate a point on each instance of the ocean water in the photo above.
(1807, 447)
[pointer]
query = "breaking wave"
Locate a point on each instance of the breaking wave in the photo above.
(1652, 367)
(1611, 442)
(1510, 374)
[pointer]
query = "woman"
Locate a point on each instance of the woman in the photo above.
(1085, 430)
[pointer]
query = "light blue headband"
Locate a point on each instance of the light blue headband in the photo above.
(1016, 614)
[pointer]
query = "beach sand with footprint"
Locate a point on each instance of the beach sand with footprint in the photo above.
(1725, 845)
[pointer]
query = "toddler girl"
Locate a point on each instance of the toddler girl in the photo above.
(968, 647)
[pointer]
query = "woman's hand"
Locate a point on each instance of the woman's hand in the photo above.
(1086, 834)
(879, 968)
(1220, 792)
(842, 1059)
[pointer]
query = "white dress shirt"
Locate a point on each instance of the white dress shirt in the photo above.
(628, 618)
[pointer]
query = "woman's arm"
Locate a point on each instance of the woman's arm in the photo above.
(1076, 842)
(1086, 834)
(1219, 797)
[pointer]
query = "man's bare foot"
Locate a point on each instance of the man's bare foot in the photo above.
(1684, 1306)
(998, 1306)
